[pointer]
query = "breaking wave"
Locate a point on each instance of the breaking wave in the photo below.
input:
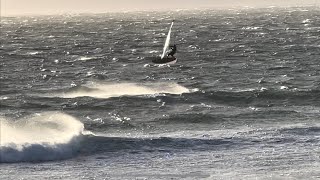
(100, 90)
(40, 137)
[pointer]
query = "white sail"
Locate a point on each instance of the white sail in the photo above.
(166, 44)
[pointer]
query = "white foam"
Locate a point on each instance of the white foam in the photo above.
(251, 28)
(3, 97)
(153, 51)
(103, 90)
(84, 58)
(306, 21)
(45, 136)
(33, 53)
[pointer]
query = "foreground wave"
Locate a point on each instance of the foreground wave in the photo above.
(54, 136)
(41, 137)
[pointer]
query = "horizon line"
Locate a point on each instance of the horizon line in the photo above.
(153, 10)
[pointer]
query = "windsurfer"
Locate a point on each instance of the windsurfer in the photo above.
(172, 51)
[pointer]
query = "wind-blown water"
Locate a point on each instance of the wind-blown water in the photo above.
(80, 98)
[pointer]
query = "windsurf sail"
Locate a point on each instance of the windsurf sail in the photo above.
(167, 42)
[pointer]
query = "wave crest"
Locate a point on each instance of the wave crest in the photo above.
(41, 137)
(100, 90)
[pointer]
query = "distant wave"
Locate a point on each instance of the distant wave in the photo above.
(102, 144)
(107, 90)
(41, 137)
(260, 97)
(192, 118)
(199, 140)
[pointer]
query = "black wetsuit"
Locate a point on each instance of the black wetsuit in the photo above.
(173, 50)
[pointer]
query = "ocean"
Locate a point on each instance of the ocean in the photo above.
(81, 99)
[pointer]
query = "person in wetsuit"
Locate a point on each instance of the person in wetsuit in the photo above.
(173, 50)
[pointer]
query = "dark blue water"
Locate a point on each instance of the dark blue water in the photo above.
(80, 97)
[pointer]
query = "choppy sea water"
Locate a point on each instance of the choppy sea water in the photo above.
(80, 98)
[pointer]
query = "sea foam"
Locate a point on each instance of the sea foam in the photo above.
(107, 90)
